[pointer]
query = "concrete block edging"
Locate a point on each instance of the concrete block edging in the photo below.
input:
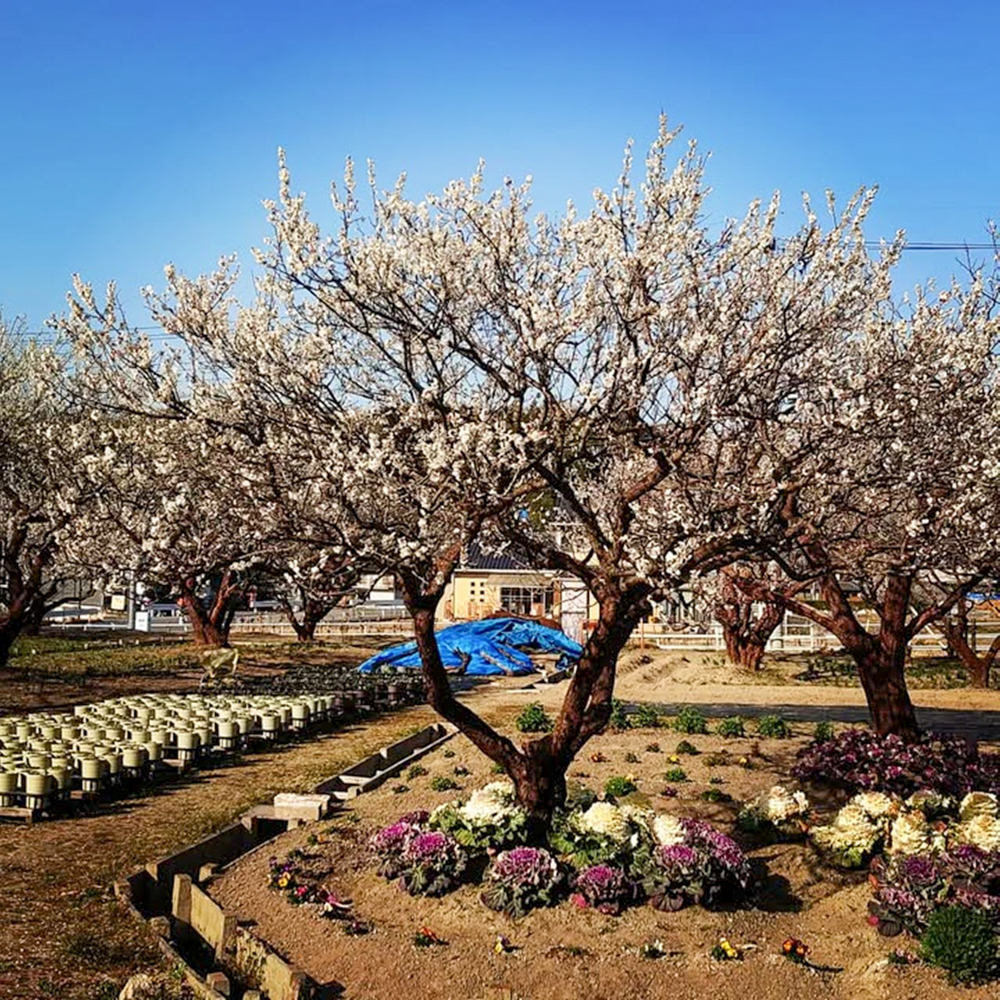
(168, 887)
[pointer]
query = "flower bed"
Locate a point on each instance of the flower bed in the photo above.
(592, 930)
(859, 760)
(621, 854)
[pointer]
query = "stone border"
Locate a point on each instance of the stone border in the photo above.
(191, 926)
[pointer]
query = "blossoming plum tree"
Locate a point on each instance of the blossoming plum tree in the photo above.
(907, 519)
(182, 515)
(623, 371)
(52, 476)
(621, 395)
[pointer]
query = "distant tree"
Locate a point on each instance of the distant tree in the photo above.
(906, 520)
(748, 623)
(48, 491)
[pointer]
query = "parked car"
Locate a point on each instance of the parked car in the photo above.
(164, 609)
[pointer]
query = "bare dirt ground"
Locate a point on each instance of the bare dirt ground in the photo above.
(564, 953)
(62, 935)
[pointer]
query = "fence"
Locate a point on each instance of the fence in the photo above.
(797, 634)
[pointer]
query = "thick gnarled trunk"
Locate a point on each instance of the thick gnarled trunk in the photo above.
(24, 587)
(881, 658)
(210, 621)
(538, 769)
(749, 619)
(744, 651)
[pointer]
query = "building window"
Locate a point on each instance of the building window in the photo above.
(530, 601)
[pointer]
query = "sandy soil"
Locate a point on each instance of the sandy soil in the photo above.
(704, 678)
(563, 952)
(62, 936)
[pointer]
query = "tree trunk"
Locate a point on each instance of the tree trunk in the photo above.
(313, 612)
(10, 629)
(205, 628)
(746, 635)
(744, 651)
(979, 667)
(538, 769)
(33, 618)
(883, 679)
(540, 782)
(881, 659)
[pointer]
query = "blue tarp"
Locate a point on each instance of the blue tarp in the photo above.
(493, 646)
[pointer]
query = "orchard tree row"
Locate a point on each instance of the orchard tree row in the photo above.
(628, 395)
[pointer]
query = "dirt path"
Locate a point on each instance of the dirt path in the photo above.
(62, 935)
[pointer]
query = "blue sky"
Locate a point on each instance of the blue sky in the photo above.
(138, 133)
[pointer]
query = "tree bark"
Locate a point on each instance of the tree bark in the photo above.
(313, 612)
(37, 611)
(10, 629)
(210, 623)
(745, 633)
(23, 586)
(881, 659)
(745, 652)
(979, 667)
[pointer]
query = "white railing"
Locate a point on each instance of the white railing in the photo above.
(801, 635)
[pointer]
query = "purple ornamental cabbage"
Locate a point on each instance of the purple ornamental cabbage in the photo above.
(432, 863)
(522, 878)
(607, 889)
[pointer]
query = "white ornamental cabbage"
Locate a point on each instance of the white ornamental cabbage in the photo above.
(605, 820)
(928, 801)
(667, 830)
(911, 834)
(977, 804)
(853, 820)
(878, 805)
(778, 804)
(493, 803)
(850, 845)
(982, 831)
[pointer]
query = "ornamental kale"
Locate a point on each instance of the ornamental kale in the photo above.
(706, 867)
(433, 863)
(909, 889)
(859, 759)
(489, 820)
(607, 889)
(604, 833)
(390, 842)
(521, 879)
